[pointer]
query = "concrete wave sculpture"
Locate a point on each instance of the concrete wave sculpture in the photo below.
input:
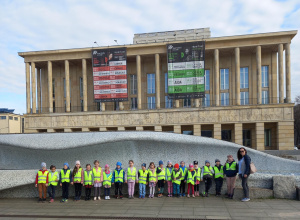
(22, 154)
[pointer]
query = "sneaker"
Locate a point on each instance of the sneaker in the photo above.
(121, 197)
(40, 200)
(140, 197)
(63, 200)
(193, 196)
(66, 200)
(95, 198)
(51, 200)
(149, 195)
(129, 197)
(183, 194)
(245, 199)
(99, 198)
(108, 197)
(132, 197)
(188, 195)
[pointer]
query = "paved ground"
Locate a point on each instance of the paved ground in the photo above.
(169, 208)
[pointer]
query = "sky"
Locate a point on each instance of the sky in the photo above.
(30, 25)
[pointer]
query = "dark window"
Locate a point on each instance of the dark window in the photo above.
(187, 132)
(207, 133)
(247, 138)
(226, 135)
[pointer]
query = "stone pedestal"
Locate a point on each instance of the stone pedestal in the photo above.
(284, 187)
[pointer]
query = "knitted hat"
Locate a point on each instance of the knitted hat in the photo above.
(160, 162)
(43, 164)
(191, 165)
(169, 162)
(77, 162)
(217, 160)
(106, 165)
(119, 163)
(143, 164)
(66, 164)
(176, 166)
(195, 162)
(207, 161)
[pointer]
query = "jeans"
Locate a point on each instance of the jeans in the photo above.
(176, 189)
(208, 183)
(219, 184)
(245, 185)
(51, 191)
(142, 188)
(65, 190)
(106, 191)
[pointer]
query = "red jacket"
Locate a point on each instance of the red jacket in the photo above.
(36, 178)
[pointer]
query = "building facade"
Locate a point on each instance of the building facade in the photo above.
(10, 123)
(247, 90)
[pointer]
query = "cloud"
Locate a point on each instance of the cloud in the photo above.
(44, 25)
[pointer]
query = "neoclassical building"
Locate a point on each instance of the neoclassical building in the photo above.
(247, 90)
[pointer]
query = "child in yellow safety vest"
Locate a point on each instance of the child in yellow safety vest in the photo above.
(176, 176)
(152, 179)
(77, 180)
(161, 178)
(169, 171)
(65, 178)
(190, 178)
(218, 175)
(118, 179)
(198, 178)
(98, 179)
(53, 179)
(183, 170)
(131, 176)
(107, 176)
(88, 181)
(142, 175)
(207, 175)
(41, 181)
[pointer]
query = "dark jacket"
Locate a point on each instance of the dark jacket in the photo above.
(245, 169)
(113, 175)
(231, 173)
(187, 173)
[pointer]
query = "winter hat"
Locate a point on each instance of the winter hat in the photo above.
(66, 164)
(160, 162)
(143, 164)
(106, 165)
(169, 162)
(207, 161)
(217, 160)
(176, 166)
(191, 166)
(229, 155)
(43, 164)
(195, 162)
(119, 163)
(77, 162)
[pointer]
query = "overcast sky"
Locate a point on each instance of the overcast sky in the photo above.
(31, 25)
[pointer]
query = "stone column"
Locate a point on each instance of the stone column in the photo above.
(176, 103)
(50, 96)
(121, 128)
(285, 135)
(157, 81)
(280, 72)
(217, 77)
(260, 136)
(84, 82)
(288, 72)
(139, 81)
(197, 103)
(33, 87)
(158, 128)
(217, 131)
(237, 76)
(28, 100)
(258, 69)
(103, 129)
(139, 128)
(67, 79)
(177, 129)
(39, 94)
(197, 130)
(103, 106)
(238, 133)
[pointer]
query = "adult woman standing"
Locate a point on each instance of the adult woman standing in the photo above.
(244, 171)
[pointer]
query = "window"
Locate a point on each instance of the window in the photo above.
(98, 106)
(116, 106)
(53, 105)
(168, 102)
(224, 98)
(133, 84)
(267, 137)
(16, 119)
(207, 133)
(247, 138)
(11, 118)
(81, 105)
(265, 76)
(226, 135)
(3, 117)
(151, 83)
(187, 103)
(133, 103)
(206, 100)
(244, 98)
(224, 79)
(151, 102)
(265, 97)
(188, 132)
(53, 88)
(81, 86)
(166, 82)
(207, 80)
(244, 79)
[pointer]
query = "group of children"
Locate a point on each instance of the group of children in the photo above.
(176, 176)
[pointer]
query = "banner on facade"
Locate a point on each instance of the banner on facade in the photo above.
(186, 70)
(110, 75)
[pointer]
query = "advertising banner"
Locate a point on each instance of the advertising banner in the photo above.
(110, 75)
(186, 70)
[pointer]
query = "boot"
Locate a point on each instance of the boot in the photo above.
(231, 196)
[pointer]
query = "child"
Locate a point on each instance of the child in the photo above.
(219, 175)
(77, 180)
(198, 177)
(130, 177)
(161, 178)
(143, 173)
(98, 179)
(107, 176)
(190, 178)
(88, 182)
(65, 178)
(182, 183)
(230, 170)
(118, 178)
(176, 176)
(41, 181)
(152, 179)
(53, 179)
(207, 175)
(169, 179)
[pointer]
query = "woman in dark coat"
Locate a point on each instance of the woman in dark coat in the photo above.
(244, 171)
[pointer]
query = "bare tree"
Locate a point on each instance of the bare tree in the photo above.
(297, 121)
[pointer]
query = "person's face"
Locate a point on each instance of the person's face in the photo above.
(169, 165)
(118, 167)
(218, 163)
(152, 166)
(143, 168)
(88, 168)
(196, 166)
(176, 169)
(131, 164)
(230, 159)
(65, 167)
(97, 164)
(207, 164)
(106, 168)
(43, 168)
(242, 152)
(191, 168)
(77, 165)
(182, 164)
(53, 169)
(161, 166)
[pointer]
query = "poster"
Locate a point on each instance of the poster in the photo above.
(186, 70)
(110, 75)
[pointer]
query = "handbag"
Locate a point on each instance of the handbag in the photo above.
(252, 168)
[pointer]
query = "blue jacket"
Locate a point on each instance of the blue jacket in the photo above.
(246, 168)
(231, 173)
(113, 175)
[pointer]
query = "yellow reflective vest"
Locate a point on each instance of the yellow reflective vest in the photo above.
(152, 176)
(183, 173)
(198, 173)
(191, 178)
(219, 173)
(169, 174)
(42, 177)
(162, 174)
(176, 175)
(231, 167)
(119, 176)
(65, 177)
(206, 171)
(77, 176)
(97, 174)
(107, 179)
(143, 176)
(131, 176)
(52, 177)
(88, 177)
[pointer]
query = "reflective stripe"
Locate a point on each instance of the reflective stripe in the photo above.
(206, 171)
(143, 176)
(119, 176)
(97, 175)
(231, 167)
(219, 173)
(77, 176)
(65, 177)
(131, 176)
(42, 177)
